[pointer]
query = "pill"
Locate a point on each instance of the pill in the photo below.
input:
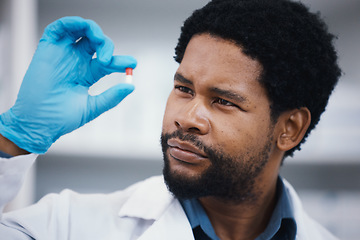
(129, 74)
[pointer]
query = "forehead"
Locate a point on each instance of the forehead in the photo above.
(213, 60)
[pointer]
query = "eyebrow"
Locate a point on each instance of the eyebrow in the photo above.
(180, 78)
(231, 95)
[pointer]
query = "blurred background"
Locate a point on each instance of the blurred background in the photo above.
(122, 146)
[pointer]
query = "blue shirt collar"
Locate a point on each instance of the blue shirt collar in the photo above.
(197, 217)
(281, 226)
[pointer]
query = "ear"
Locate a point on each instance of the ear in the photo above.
(292, 126)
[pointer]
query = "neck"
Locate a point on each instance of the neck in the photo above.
(244, 220)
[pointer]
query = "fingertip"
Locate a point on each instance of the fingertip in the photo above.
(122, 62)
(127, 88)
(132, 61)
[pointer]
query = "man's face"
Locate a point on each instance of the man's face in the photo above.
(217, 132)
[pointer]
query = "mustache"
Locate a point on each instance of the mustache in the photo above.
(212, 154)
(179, 134)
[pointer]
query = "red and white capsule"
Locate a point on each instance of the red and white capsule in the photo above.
(129, 75)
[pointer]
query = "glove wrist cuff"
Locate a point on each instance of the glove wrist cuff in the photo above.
(16, 133)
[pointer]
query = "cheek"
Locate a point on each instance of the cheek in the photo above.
(169, 114)
(236, 136)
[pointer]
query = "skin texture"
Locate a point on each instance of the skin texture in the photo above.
(218, 101)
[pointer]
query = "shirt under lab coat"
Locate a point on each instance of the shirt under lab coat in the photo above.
(143, 211)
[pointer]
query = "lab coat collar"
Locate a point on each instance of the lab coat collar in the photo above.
(157, 204)
(172, 224)
(307, 228)
(153, 197)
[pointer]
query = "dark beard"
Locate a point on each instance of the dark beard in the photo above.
(230, 178)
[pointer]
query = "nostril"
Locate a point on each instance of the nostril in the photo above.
(187, 129)
(194, 130)
(177, 124)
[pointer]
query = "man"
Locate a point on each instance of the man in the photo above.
(253, 79)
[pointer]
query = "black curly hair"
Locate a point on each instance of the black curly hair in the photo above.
(292, 44)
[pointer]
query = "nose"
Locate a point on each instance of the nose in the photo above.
(192, 117)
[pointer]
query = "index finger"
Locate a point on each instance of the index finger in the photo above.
(72, 28)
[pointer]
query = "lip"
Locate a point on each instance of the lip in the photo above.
(185, 152)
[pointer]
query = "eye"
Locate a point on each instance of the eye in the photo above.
(183, 89)
(224, 102)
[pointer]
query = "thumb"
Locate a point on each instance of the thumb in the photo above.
(108, 99)
(117, 64)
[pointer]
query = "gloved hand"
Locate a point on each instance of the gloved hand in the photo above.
(53, 99)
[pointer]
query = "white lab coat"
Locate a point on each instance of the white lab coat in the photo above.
(144, 211)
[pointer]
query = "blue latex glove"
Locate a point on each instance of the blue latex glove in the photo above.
(53, 99)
